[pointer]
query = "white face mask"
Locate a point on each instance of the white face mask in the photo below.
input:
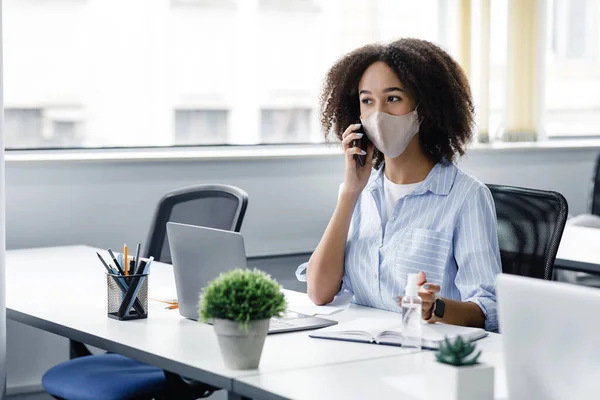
(391, 134)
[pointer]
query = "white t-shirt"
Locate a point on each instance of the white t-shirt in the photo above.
(392, 193)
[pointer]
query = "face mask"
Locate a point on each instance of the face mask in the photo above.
(391, 134)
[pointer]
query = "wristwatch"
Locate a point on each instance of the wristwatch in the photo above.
(438, 310)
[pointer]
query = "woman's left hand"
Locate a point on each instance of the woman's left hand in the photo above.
(427, 293)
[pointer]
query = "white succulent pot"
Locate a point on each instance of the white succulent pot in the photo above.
(240, 348)
(473, 382)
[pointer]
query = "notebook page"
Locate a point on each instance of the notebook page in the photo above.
(390, 336)
(433, 334)
(389, 331)
(370, 327)
(437, 332)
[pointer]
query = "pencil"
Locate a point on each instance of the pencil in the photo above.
(125, 260)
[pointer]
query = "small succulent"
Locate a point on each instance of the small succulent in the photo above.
(459, 353)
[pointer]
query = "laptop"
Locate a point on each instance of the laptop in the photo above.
(551, 338)
(200, 254)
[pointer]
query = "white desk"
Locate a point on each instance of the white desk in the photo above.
(63, 290)
(579, 250)
(403, 377)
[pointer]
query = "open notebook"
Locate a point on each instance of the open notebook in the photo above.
(389, 332)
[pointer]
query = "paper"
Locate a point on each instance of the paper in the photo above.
(163, 294)
(300, 303)
(389, 332)
(433, 332)
(371, 326)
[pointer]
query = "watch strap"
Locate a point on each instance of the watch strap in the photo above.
(437, 311)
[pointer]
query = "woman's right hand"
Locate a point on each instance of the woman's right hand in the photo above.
(356, 177)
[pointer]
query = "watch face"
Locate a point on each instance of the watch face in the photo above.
(439, 308)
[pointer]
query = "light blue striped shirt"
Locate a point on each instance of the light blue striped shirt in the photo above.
(446, 228)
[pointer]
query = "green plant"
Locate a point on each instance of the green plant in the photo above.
(458, 353)
(242, 295)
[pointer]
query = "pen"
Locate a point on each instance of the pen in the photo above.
(136, 260)
(108, 269)
(125, 260)
(112, 255)
(144, 267)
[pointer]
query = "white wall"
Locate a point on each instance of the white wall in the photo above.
(291, 200)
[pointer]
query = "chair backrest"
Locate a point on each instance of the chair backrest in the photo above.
(213, 206)
(530, 226)
(595, 192)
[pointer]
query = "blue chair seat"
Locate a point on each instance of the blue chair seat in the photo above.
(110, 376)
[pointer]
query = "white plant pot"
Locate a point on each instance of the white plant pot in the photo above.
(241, 349)
(447, 382)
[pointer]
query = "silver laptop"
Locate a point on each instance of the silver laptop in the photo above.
(200, 254)
(551, 338)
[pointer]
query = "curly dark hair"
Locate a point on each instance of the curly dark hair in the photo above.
(435, 81)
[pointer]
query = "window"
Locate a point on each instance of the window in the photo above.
(42, 128)
(572, 85)
(288, 5)
(488, 66)
(164, 73)
(200, 126)
(285, 126)
(575, 31)
(23, 127)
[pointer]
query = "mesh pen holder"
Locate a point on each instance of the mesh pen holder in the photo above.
(127, 296)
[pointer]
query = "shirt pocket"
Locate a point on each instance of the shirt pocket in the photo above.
(423, 250)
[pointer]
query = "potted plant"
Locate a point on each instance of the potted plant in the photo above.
(458, 375)
(240, 304)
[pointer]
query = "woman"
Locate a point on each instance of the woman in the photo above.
(409, 209)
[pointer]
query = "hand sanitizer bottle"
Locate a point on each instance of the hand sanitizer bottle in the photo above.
(411, 314)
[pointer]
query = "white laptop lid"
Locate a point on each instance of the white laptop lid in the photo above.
(199, 255)
(551, 338)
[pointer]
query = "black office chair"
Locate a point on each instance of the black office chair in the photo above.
(591, 221)
(595, 192)
(223, 207)
(530, 226)
(112, 376)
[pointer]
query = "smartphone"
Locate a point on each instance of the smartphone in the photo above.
(363, 143)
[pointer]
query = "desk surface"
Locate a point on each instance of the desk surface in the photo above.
(579, 250)
(399, 377)
(63, 290)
